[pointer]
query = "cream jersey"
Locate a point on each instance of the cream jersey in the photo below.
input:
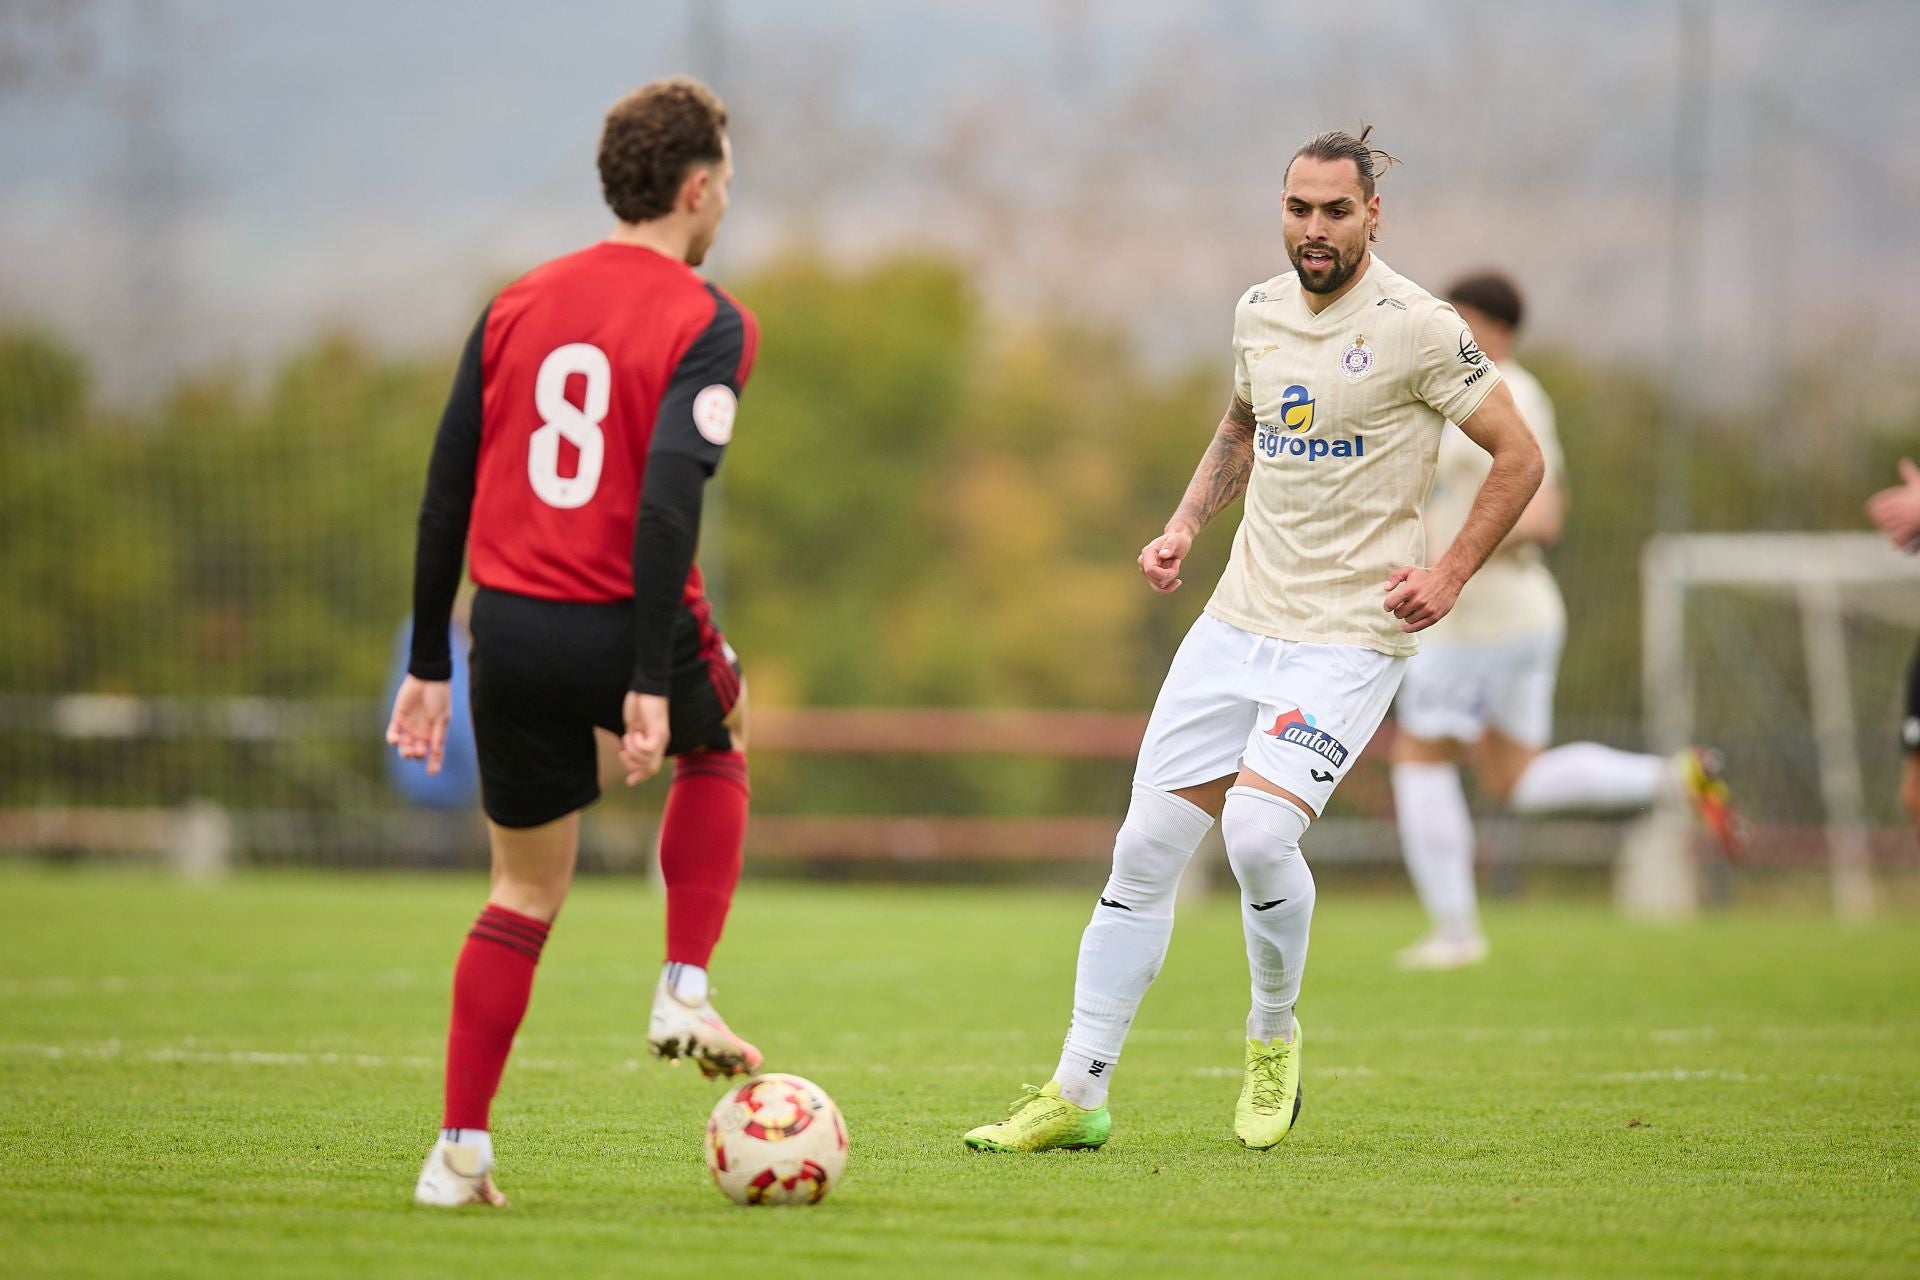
(1514, 593)
(1349, 406)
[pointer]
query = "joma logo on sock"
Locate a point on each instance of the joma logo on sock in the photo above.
(1297, 727)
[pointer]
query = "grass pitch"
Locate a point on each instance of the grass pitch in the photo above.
(242, 1080)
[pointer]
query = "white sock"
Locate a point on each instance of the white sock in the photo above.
(472, 1138)
(1083, 1080)
(1436, 838)
(1586, 775)
(688, 982)
(1263, 844)
(1126, 941)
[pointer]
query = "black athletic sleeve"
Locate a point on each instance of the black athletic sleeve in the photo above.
(663, 542)
(1910, 727)
(444, 512)
(689, 435)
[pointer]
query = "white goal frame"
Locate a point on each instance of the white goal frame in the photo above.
(1826, 574)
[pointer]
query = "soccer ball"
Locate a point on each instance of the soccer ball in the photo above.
(777, 1139)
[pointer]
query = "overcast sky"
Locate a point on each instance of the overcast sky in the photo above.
(197, 182)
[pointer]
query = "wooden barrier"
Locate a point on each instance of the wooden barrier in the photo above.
(201, 838)
(197, 838)
(946, 731)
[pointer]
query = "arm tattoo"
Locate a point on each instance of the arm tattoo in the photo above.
(1224, 469)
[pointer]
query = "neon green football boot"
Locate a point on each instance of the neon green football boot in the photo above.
(1270, 1093)
(1703, 777)
(1042, 1120)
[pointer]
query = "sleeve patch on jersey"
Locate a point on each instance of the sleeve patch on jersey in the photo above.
(1470, 350)
(713, 411)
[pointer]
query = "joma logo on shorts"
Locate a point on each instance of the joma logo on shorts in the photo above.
(1297, 727)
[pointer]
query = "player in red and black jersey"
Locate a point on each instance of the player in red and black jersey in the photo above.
(592, 403)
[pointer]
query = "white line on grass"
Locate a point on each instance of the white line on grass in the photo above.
(113, 1049)
(214, 983)
(104, 1050)
(1540, 1035)
(1675, 1075)
(1682, 1075)
(1233, 1073)
(189, 1052)
(333, 980)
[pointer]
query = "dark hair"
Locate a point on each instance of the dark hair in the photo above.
(1338, 144)
(1491, 294)
(652, 137)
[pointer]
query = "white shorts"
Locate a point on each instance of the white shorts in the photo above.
(1297, 714)
(1460, 691)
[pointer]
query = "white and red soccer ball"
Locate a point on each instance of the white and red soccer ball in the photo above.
(776, 1139)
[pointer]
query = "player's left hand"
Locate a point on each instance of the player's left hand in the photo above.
(1420, 597)
(643, 747)
(421, 712)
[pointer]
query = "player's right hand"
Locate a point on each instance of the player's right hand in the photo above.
(644, 745)
(421, 712)
(1160, 559)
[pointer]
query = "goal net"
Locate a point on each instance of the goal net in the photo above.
(1786, 651)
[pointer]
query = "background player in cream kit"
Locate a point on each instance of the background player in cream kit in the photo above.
(1345, 374)
(1482, 684)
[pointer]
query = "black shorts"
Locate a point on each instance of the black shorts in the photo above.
(544, 673)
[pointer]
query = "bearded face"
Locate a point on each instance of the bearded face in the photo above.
(1326, 221)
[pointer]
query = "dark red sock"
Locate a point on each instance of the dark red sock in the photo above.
(700, 837)
(491, 983)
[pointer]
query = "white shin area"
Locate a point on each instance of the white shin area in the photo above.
(1126, 941)
(1436, 838)
(1263, 843)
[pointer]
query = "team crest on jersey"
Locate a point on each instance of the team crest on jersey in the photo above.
(713, 411)
(1356, 362)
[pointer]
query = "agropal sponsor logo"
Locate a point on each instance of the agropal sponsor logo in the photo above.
(1292, 436)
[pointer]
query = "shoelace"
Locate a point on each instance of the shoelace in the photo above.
(1267, 1082)
(1028, 1093)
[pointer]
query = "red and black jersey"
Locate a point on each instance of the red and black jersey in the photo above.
(595, 397)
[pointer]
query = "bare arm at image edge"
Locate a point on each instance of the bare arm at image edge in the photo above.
(1220, 478)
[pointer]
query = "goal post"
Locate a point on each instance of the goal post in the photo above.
(1827, 578)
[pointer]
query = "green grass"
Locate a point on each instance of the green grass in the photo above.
(241, 1080)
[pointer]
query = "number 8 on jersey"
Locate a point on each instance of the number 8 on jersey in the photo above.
(561, 421)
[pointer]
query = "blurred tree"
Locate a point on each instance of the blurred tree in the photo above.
(927, 505)
(845, 429)
(43, 384)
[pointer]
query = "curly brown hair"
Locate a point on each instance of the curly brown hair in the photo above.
(652, 137)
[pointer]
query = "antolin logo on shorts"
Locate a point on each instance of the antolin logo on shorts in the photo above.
(1291, 436)
(1297, 727)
